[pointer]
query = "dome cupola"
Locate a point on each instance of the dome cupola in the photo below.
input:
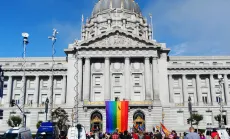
(103, 5)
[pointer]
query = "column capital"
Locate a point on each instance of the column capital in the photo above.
(107, 58)
(79, 57)
(154, 58)
(127, 58)
(146, 58)
(87, 57)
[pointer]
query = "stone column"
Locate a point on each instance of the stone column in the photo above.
(226, 89)
(198, 92)
(9, 88)
(37, 88)
(23, 92)
(107, 79)
(86, 85)
(195, 93)
(80, 72)
(184, 92)
(212, 87)
(50, 89)
(63, 94)
(128, 93)
(147, 79)
(171, 89)
(155, 79)
(209, 92)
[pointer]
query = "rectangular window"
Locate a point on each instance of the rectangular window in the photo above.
(58, 83)
(1, 114)
(57, 98)
(97, 81)
(192, 97)
(215, 63)
(43, 98)
(228, 82)
(31, 84)
(5, 83)
(17, 98)
(136, 80)
(177, 98)
(28, 119)
(180, 118)
(205, 98)
(97, 96)
(18, 84)
(4, 98)
(208, 118)
(218, 99)
(45, 84)
(30, 99)
(117, 80)
(203, 82)
(176, 82)
(216, 83)
(190, 82)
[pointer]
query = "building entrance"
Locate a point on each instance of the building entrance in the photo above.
(138, 121)
(96, 122)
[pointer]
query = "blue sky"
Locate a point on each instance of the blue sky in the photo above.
(188, 27)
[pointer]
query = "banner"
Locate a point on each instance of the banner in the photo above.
(116, 116)
(165, 130)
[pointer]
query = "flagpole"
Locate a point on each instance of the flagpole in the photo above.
(82, 23)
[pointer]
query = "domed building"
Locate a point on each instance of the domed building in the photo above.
(117, 59)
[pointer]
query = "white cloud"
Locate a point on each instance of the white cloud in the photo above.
(203, 24)
(179, 49)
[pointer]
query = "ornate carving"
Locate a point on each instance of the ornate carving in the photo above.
(117, 40)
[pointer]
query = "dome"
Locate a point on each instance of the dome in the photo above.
(103, 5)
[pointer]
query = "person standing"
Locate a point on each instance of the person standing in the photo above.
(214, 134)
(192, 134)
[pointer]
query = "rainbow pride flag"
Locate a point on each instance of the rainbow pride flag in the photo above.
(116, 116)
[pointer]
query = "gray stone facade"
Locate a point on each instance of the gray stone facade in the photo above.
(117, 58)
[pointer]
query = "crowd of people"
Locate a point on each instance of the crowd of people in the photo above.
(150, 135)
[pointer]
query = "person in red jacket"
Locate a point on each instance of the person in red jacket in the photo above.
(214, 134)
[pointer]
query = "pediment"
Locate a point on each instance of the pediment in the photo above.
(116, 38)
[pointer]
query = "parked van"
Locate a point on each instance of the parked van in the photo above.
(47, 130)
(18, 133)
(221, 131)
(77, 132)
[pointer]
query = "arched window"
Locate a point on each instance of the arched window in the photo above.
(96, 121)
(139, 121)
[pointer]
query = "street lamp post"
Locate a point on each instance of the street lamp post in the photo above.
(220, 78)
(46, 107)
(190, 109)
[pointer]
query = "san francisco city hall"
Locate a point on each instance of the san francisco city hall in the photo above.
(118, 58)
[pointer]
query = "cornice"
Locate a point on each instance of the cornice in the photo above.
(198, 58)
(101, 36)
(34, 69)
(33, 59)
(197, 67)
